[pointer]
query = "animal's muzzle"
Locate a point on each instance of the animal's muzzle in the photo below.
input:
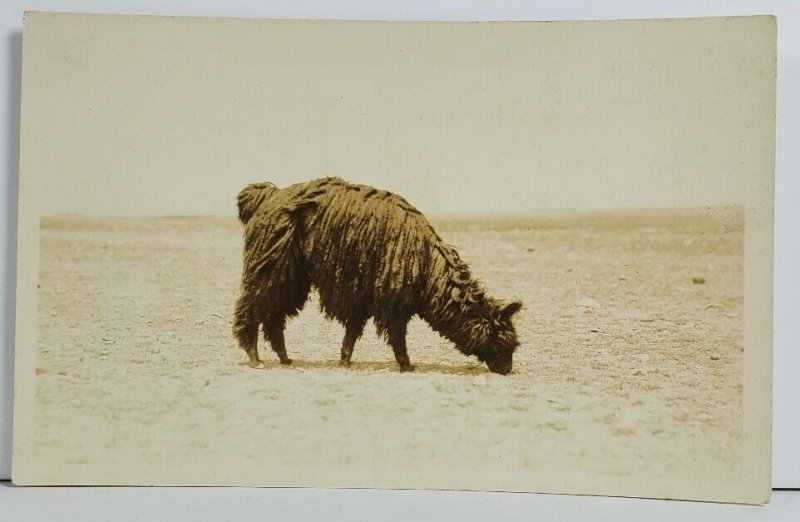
(502, 366)
(502, 370)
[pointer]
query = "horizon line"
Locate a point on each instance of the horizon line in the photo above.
(544, 212)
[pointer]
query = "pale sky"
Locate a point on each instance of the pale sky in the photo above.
(155, 116)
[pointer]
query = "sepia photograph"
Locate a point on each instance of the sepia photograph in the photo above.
(505, 256)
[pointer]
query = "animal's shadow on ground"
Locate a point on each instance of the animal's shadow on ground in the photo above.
(372, 367)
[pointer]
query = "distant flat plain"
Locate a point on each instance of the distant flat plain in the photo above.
(630, 363)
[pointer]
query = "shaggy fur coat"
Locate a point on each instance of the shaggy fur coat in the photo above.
(369, 254)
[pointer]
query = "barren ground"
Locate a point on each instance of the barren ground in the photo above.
(136, 355)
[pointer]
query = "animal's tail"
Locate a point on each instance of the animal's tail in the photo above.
(251, 197)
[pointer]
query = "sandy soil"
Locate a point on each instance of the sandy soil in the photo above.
(136, 355)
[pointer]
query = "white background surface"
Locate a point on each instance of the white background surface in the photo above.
(356, 505)
(243, 504)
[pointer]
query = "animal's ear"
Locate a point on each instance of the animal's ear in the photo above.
(508, 310)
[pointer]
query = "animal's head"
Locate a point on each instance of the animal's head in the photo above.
(495, 338)
(482, 325)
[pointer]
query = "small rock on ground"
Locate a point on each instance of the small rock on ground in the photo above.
(587, 302)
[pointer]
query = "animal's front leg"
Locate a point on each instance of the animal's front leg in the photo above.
(397, 340)
(274, 334)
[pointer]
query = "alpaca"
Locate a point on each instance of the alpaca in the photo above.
(369, 254)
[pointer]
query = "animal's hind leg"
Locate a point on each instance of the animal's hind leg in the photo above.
(352, 331)
(273, 332)
(246, 332)
(396, 336)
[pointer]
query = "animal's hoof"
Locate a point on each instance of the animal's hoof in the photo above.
(286, 361)
(255, 364)
(407, 368)
(345, 364)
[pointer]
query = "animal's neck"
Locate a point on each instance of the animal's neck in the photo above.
(452, 297)
(450, 321)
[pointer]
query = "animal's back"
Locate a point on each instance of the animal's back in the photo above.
(371, 251)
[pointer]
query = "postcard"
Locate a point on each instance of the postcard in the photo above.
(508, 256)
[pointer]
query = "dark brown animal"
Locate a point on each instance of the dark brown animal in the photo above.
(369, 254)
